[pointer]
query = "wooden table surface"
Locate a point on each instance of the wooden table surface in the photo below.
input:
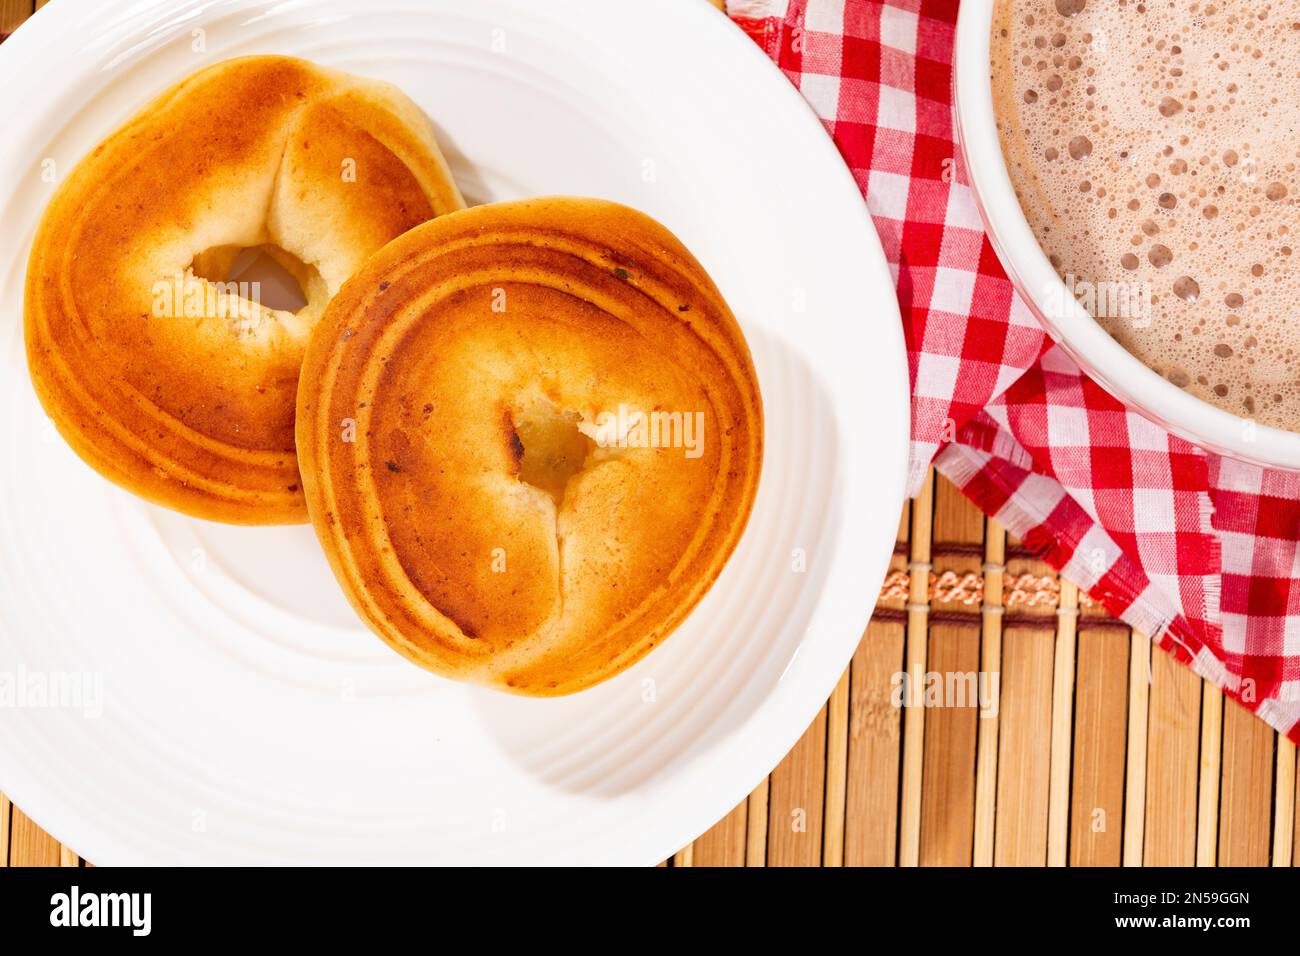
(1094, 750)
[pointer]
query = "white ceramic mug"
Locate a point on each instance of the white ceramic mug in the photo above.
(1099, 355)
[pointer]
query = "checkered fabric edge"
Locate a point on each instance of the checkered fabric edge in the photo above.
(1196, 552)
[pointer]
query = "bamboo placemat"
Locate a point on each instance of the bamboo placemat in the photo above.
(1099, 752)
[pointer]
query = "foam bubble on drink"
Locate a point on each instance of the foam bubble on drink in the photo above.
(1155, 148)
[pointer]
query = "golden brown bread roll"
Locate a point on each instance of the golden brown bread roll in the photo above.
(474, 464)
(177, 388)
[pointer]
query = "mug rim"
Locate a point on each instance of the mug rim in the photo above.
(1080, 336)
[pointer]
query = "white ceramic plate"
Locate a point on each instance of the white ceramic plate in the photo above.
(245, 715)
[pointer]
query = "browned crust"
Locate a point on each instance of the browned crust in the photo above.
(587, 273)
(197, 423)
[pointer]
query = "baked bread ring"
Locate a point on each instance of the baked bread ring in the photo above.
(475, 466)
(182, 389)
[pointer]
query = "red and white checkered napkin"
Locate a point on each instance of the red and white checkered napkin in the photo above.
(1194, 550)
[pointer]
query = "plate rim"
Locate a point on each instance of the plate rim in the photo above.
(768, 733)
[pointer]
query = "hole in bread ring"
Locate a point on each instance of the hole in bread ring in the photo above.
(165, 379)
(264, 275)
(549, 446)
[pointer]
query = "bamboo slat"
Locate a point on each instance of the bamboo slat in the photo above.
(948, 765)
(909, 838)
(1173, 744)
(6, 810)
(1024, 752)
(1245, 827)
(795, 801)
(756, 826)
(875, 736)
(1024, 732)
(1135, 767)
(1100, 729)
(1058, 792)
(1295, 831)
(724, 844)
(986, 755)
(14, 12)
(948, 790)
(1207, 809)
(1284, 803)
(837, 755)
(29, 845)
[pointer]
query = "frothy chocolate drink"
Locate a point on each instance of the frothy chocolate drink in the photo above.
(1154, 149)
